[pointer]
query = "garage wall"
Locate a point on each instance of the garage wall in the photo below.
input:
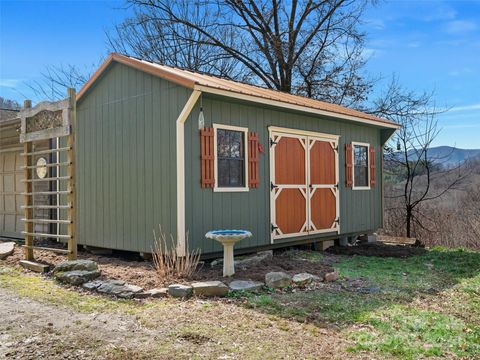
(11, 200)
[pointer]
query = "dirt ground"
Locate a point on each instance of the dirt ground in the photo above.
(33, 329)
(377, 249)
(132, 269)
(29, 331)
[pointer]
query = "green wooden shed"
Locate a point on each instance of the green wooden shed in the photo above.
(193, 153)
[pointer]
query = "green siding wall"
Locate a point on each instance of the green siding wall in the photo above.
(360, 210)
(126, 165)
(126, 172)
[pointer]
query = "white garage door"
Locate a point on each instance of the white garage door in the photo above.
(11, 200)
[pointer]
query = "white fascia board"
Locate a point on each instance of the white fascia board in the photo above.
(305, 109)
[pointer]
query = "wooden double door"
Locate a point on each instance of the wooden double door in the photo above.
(304, 183)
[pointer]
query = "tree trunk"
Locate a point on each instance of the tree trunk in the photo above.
(409, 223)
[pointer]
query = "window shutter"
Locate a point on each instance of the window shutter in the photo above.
(348, 165)
(371, 160)
(207, 157)
(253, 180)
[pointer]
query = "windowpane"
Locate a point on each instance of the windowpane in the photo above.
(361, 165)
(229, 144)
(230, 158)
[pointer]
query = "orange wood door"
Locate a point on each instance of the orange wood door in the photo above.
(323, 188)
(289, 190)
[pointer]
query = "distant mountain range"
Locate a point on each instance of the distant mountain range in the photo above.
(449, 156)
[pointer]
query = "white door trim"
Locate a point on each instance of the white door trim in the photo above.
(308, 192)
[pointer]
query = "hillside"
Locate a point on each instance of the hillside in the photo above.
(447, 156)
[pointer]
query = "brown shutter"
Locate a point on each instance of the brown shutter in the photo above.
(371, 159)
(253, 180)
(348, 165)
(207, 157)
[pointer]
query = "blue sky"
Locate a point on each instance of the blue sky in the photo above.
(428, 45)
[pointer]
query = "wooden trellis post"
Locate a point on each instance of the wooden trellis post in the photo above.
(28, 225)
(50, 120)
(72, 242)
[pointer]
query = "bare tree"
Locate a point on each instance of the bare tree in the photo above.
(307, 47)
(408, 155)
(8, 104)
(56, 79)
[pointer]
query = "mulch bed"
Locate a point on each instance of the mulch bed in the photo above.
(130, 268)
(377, 249)
(283, 262)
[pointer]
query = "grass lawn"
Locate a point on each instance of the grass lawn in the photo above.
(418, 307)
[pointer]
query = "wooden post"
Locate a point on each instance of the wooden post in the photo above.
(28, 226)
(72, 241)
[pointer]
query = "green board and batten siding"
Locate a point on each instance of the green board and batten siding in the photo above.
(360, 210)
(126, 170)
(127, 166)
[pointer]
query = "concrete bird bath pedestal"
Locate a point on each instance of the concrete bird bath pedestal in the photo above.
(228, 238)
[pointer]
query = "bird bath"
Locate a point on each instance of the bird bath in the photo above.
(228, 238)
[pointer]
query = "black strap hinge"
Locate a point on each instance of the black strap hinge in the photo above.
(272, 142)
(272, 186)
(273, 227)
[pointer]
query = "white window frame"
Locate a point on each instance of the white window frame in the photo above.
(355, 143)
(215, 162)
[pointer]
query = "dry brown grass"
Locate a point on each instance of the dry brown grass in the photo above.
(167, 262)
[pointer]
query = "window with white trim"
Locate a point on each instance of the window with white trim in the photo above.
(361, 176)
(231, 158)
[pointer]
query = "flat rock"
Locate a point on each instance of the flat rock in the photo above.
(331, 276)
(245, 285)
(209, 288)
(6, 249)
(304, 278)
(70, 265)
(153, 293)
(247, 261)
(119, 288)
(180, 290)
(76, 277)
(34, 266)
(92, 285)
(278, 279)
(255, 259)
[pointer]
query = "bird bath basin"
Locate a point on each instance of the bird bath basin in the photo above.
(228, 238)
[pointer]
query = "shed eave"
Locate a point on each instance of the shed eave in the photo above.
(285, 105)
(136, 64)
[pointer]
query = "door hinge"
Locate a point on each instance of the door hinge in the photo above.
(337, 220)
(272, 186)
(272, 142)
(273, 227)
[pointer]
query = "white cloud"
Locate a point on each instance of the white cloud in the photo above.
(10, 83)
(414, 44)
(466, 107)
(443, 12)
(460, 26)
(460, 71)
(376, 24)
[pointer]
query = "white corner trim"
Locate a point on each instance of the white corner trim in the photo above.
(215, 161)
(180, 151)
(356, 143)
(281, 104)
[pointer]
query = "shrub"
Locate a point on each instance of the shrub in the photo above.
(166, 260)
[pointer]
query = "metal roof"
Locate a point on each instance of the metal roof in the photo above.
(216, 85)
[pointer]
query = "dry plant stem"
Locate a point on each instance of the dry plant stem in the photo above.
(166, 261)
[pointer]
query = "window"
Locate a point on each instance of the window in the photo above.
(230, 159)
(360, 166)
